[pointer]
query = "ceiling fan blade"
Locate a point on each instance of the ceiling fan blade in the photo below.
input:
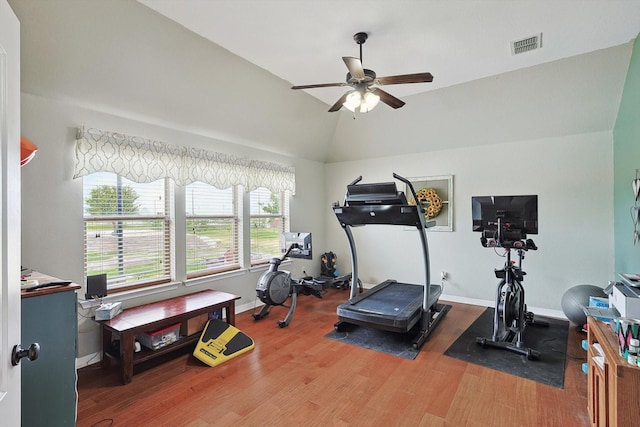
(405, 78)
(318, 85)
(355, 67)
(387, 98)
(338, 104)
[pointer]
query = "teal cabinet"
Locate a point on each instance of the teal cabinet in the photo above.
(49, 318)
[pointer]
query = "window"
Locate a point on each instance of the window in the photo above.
(269, 219)
(212, 226)
(128, 230)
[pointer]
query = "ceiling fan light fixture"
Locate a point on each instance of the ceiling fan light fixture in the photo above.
(363, 97)
(356, 101)
(369, 101)
(353, 100)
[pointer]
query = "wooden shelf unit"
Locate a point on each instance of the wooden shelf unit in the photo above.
(614, 388)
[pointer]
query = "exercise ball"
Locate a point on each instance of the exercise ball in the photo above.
(576, 298)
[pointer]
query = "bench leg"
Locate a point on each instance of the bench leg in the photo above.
(106, 344)
(126, 356)
(231, 313)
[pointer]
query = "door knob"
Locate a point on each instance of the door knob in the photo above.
(18, 353)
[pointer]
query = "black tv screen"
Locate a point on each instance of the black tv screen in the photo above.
(518, 213)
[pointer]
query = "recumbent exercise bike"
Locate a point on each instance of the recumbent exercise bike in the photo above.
(510, 315)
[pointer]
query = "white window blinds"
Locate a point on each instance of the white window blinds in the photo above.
(128, 230)
(212, 229)
(269, 219)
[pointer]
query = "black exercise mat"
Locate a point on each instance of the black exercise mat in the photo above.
(394, 343)
(551, 342)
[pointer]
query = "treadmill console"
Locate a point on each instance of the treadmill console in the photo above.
(378, 203)
(381, 193)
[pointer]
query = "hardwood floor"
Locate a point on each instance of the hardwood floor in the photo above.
(295, 376)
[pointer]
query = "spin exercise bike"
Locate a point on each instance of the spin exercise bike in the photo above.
(514, 215)
(276, 286)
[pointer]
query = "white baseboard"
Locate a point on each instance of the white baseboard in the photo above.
(250, 306)
(89, 359)
(558, 314)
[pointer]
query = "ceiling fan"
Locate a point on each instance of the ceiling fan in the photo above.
(365, 96)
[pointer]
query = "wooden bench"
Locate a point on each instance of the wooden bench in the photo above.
(155, 316)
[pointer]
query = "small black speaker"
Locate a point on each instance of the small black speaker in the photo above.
(96, 286)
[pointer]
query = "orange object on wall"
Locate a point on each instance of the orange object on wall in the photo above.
(27, 150)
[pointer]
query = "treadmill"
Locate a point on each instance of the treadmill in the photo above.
(391, 305)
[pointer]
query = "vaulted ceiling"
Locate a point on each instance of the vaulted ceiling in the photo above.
(302, 41)
(222, 69)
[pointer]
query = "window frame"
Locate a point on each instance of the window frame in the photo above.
(176, 221)
(115, 284)
(283, 215)
(236, 237)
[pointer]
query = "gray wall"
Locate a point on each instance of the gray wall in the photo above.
(572, 176)
(575, 95)
(544, 130)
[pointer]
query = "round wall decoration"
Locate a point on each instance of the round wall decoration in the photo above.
(430, 201)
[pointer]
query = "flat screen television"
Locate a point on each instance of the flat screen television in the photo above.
(303, 242)
(518, 213)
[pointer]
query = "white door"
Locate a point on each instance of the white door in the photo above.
(9, 213)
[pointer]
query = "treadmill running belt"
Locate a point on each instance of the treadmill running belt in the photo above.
(390, 306)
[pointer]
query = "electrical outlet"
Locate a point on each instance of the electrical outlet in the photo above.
(443, 275)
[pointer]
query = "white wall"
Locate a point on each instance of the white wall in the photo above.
(52, 200)
(52, 233)
(117, 65)
(572, 177)
(121, 57)
(575, 95)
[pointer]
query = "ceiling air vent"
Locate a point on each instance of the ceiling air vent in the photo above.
(527, 44)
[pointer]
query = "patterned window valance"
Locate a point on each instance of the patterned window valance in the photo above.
(144, 160)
